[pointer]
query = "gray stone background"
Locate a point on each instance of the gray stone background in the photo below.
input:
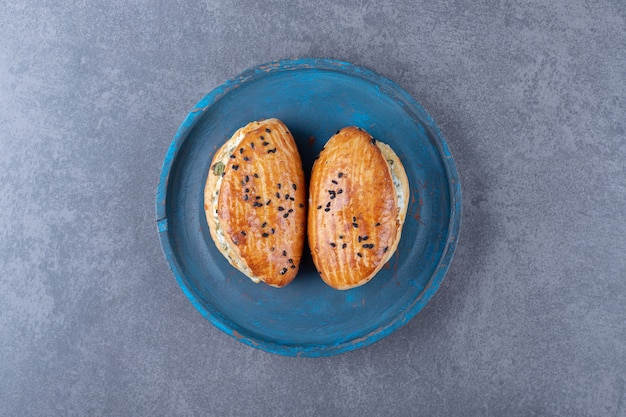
(531, 97)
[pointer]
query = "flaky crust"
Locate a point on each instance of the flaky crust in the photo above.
(255, 202)
(355, 217)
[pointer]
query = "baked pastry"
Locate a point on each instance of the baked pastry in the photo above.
(358, 199)
(255, 202)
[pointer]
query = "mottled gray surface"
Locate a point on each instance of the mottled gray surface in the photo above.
(531, 97)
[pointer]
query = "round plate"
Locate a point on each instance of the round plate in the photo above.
(314, 98)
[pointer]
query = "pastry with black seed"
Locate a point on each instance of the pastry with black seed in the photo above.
(358, 199)
(254, 202)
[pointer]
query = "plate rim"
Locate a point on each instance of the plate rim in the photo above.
(399, 95)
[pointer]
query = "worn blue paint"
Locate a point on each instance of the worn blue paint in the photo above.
(315, 98)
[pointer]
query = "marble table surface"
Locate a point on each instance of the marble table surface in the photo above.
(530, 320)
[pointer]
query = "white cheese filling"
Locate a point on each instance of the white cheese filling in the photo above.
(397, 185)
(397, 182)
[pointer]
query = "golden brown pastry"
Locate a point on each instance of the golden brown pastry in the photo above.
(358, 198)
(255, 202)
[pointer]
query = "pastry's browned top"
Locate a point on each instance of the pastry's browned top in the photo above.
(262, 203)
(353, 214)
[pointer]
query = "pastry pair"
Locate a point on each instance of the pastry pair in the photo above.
(255, 201)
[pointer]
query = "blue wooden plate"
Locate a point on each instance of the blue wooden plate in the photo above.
(314, 98)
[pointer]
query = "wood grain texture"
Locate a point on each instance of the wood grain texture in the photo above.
(315, 319)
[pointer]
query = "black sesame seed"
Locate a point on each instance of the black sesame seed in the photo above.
(232, 156)
(279, 185)
(258, 197)
(243, 182)
(235, 167)
(290, 260)
(272, 230)
(319, 207)
(337, 132)
(290, 211)
(283, 271)
(332, 197)
(252, 145)
(280, 208)
(340, 236)
(268, 202)
(293, 267)
(386, 248)
(344, 246)
(360, 239)
(377, 224)
(265, 143)
(328, 204)
(340, 175)
(333, 244)
(359, 254)
(240, 150)
(272, 150)
(286, 196)
(245, 197)
(353, 219)
(265, 235)
(223, 173)
(256, 175)
(356, 226)
(339, 191)
(368, 245)
(292, 199)
(365, 238)
(264, 224)
(301, 205)
(245, 158)
(277, 194)
(373, 141)
(327, 209)
(294, 186)
(243, 233)
(272, 249)
(268, 131)
(246, 178)
(284, 253)
(247, 190)
(257, 204)
(334, 182)
(285, 215)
